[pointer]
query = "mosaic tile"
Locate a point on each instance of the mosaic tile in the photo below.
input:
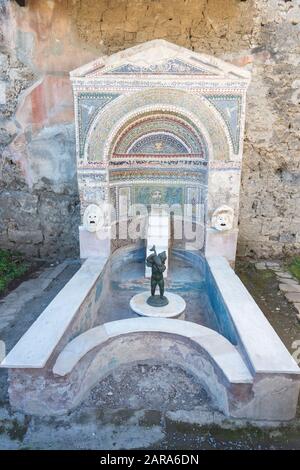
(158, 194)
(230, 109)
(172, 66)
(156, 126)
(89, 104)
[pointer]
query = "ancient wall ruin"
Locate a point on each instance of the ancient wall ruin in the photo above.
(42, 42)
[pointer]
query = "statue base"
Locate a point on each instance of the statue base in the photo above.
(174, 308)
(157, 301)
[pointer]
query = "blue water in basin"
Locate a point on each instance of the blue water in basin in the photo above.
(188, 276)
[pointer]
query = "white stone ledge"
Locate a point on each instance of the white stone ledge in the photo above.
(38, 343)
(221, 351)
(264, 349)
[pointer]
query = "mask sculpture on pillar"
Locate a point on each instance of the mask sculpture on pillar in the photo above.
(93, 218)
(222, 218)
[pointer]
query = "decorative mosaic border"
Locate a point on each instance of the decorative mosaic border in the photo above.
(132, 175)
(204, 103)
(213, 119)
(121, 85)
(100, 100)
(152, 124)
(171, 66)
(157, 156)
(235, 137)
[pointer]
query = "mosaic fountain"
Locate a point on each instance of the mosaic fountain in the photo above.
(157, 125)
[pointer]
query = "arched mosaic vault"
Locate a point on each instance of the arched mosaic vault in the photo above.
(160, 119)
(194, 109)
(136, 135)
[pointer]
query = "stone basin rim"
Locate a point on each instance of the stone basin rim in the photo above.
(221, 352)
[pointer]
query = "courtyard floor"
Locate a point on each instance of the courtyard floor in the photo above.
(143, 406)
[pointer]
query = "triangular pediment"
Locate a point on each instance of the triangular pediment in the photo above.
(159, 57)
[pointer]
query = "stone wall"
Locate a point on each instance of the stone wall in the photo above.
(41, 43)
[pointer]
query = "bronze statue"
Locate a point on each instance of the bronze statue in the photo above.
(157, 264)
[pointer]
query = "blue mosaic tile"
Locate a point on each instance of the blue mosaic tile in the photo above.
(229, 107)
(158, 143)
(89, 104)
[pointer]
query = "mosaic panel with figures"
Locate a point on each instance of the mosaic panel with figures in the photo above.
(122, 197)
(158, 194)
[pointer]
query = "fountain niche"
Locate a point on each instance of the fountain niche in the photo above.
(157, 126)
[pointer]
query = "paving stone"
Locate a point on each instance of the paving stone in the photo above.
(289, 288)
(3, 324)
(261, 265)
(293, 297)
(14, 302)
(7, 316)
(53, 272)
(284, 275)
(273, 264)
(297, 307)
(290, 282)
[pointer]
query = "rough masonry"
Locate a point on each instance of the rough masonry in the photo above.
(42, 42)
